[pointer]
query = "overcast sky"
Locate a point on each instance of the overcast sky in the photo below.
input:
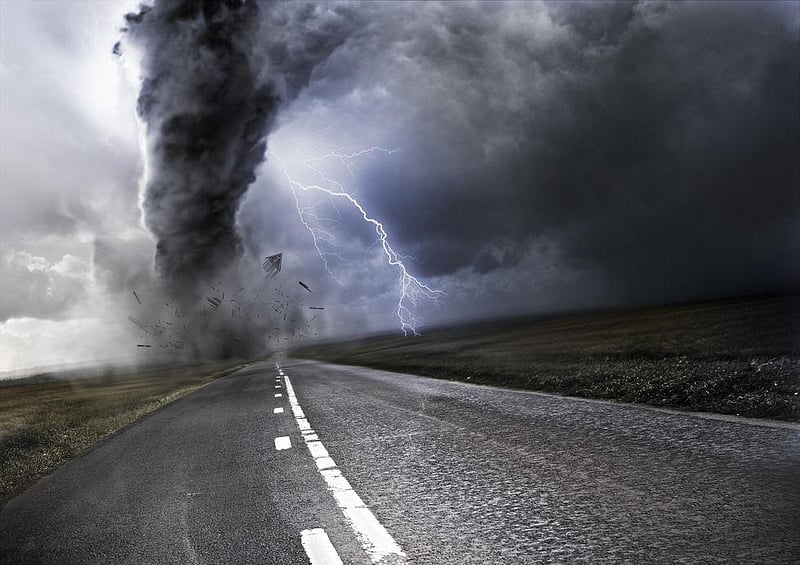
(545, 156)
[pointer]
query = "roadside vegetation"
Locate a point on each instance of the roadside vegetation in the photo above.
(739, 356)
(45, 421)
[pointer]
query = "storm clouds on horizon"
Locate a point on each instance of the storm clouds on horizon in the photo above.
(549, 156)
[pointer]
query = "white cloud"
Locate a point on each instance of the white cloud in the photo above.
(34, 342)
(35, 286)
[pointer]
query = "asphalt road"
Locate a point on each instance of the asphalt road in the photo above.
(436, 472)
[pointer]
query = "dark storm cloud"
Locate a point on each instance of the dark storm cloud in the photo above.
(677, 170)
(657, 142)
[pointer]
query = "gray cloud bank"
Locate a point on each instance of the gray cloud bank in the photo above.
(552, 155)
(654, 143)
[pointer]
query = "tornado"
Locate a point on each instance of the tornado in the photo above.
(214, 74)
(207, 104)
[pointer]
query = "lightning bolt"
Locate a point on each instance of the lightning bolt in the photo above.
(412, 290)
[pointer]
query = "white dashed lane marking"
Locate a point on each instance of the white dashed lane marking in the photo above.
(277, 410)
(283, 442)
(319, 548)
(376, 541)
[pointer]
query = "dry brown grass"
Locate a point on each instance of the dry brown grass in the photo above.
(731, 356)
(43, 424)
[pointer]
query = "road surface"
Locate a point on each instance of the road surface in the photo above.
(368, 466)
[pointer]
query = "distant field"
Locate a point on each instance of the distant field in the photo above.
(737, 356)
(44, 422)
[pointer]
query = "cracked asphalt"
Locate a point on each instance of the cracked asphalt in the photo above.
(456, 473)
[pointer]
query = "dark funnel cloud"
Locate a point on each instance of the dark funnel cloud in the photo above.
(208, 102)
(213, 77)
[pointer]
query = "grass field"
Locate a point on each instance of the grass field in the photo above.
(738, 356)
(44, 422)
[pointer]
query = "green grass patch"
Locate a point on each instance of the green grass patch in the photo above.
(737, 356)
(46, 422)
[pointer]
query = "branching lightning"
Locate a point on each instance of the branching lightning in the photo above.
(412, 290)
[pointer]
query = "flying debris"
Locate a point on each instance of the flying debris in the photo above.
(279, 308)
(272, 265)
(214, 302)
(136, 296)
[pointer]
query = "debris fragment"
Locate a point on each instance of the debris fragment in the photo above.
(142, 345)
(214, 302)
(304, 285)
(136, 296)
(316, 308)
(272, 265)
